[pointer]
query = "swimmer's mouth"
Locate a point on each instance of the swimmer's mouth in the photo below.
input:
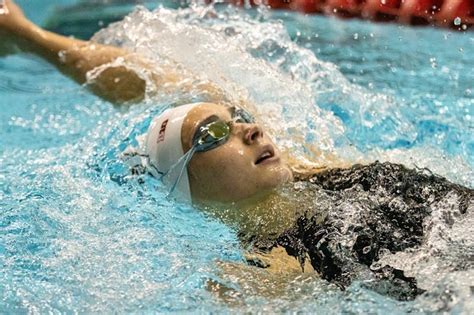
(267, 155)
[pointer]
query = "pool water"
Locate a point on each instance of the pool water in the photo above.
(79, 234)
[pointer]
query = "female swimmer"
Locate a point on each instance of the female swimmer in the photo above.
(338, 222)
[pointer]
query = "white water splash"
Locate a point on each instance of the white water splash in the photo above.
(256, 60)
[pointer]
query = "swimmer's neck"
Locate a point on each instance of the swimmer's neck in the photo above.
(266, 215)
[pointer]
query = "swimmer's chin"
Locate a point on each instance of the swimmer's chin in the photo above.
(281, 178)
(284, 175)
(288, 177)
(252, 199)
(261, 196)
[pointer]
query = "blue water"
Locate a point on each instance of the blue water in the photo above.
(78, 234)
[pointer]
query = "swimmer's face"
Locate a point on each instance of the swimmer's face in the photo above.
(247, 164)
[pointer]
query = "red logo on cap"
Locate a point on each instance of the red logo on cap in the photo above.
(161, 135)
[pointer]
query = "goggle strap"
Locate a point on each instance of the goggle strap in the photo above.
(163, 174)
(186, 157)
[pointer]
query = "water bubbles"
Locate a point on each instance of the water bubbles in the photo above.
(366, 250)
(443, 110)
(376, 266)
(384, 252)
(299, 186)
(444, 69)
(457, 21)
(230, 31)
(62, 56)
(166, 263)
(433, 62)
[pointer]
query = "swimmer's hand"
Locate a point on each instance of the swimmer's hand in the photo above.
(12, 21)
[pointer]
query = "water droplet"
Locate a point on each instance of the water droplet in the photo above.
(457, 21)
(464, 27)
(376, 266)
(62, 56)
(366, 249)
(299, 186)
(3, 8)
(356, 36)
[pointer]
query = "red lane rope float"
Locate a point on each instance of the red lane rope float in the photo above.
(458, 14)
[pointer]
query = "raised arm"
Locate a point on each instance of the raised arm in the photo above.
(76, 58)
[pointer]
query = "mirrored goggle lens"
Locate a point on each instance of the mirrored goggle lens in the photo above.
(218, 129)
(242, 116)
(211, 136)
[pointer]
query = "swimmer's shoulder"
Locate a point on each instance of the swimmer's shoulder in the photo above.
(277, 260)
(307, 172)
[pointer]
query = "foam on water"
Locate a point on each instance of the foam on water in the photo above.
(79, 234)
(254, 58)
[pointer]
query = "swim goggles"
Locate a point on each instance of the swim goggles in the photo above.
(212, 133)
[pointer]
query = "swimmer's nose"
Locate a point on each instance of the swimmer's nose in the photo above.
(252, 134)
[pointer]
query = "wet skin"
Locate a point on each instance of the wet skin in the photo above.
(246, 165)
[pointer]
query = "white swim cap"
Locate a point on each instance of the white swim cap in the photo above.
(165, 150)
